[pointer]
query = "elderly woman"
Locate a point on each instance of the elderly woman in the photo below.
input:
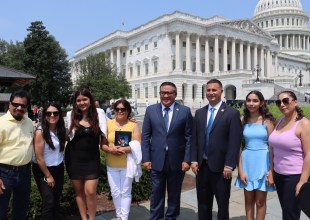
(120, 132)
(290, 142)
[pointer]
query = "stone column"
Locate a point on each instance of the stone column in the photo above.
(299, 42)
(207, 63)
(262, 58)
(188, 52)
(255, 56)
(275, 64)
(248, 59)
(304, 42)
(293, 43)
(241, 56)
(233, 54)
(268, 63)
(225, 54)
(198, 69)
(216, 54)
(177, 51)
(286, 42)
(118, 59)
(112, 56)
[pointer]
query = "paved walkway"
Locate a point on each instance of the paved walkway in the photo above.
(189, 207)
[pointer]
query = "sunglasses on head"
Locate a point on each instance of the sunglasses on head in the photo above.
(285, 101)
(49, 114)
(16, 105)
(120, 109)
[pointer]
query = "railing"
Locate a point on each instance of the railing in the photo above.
(303, 85)
(254, 81)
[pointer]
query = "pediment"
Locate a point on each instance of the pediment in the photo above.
(245, 25)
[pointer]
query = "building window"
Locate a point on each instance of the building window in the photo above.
(138, 70)
(138, 49)
(124, 72)
(146, 92)
(130, 52)
(173, 42)
(131, 71)
(203, 47)
(146, 69)
(146, 47)
(155, 91)
(227, 51)
(184, 44)
(194, 67)
(220, 50)
(124, 54)
(155, 66)
(155, 44)
(173, 64)
(211, 49)
(211, 68)
(184, 65)
(203, 66)
(194, 45)
(138, 93)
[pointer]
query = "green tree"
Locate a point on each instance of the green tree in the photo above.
(45, 59)
(96, 73)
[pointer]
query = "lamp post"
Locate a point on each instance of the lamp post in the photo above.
(300, 77)
(257, 70)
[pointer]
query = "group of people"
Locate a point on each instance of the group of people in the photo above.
(275, 155)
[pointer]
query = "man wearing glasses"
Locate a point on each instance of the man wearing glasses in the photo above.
(166, 134)
(16, 133)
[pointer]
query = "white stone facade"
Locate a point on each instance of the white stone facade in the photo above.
(189, 50)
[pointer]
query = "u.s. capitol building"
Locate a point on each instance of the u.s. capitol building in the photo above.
(269, 52)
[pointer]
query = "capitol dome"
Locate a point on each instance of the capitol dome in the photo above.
(271, 5)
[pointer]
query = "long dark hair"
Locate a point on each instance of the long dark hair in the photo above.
(300, 113)
(263, 110)
(60, 127)
(76, 115)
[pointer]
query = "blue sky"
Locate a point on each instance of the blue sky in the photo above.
(78, 23)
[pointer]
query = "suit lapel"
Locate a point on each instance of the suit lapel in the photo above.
(175, 114)
(160, 115)
(219, 115)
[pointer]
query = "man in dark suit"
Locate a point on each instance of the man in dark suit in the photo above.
(216, 141)
(166, 135)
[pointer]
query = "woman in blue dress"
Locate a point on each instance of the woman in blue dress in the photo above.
(254, 168)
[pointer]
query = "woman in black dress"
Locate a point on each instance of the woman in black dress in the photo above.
(82, 155)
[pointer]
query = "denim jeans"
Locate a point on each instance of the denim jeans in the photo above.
(50, 195)
(18, 183)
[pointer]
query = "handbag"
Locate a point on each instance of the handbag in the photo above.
(303, 198)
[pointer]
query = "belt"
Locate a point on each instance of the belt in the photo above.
(12, 167)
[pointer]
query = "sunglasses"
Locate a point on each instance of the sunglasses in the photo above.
(166, 93)
(120, 109)
(49, 114)
(16, 105)
(285, 101)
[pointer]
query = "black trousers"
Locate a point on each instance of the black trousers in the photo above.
(208, 185)
(50, 196)
(285, 185)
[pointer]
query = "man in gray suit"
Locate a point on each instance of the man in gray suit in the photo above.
(166, 135)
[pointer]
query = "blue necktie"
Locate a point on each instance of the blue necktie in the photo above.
(166, 117)
(211, 119)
